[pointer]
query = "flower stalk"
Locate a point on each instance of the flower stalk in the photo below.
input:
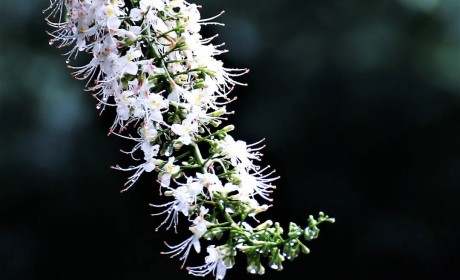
(151, 65)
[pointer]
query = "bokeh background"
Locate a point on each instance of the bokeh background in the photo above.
(359, 102)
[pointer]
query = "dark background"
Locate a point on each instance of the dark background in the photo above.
(359, 102)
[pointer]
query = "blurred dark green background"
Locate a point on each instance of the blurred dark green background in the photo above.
(359, 102)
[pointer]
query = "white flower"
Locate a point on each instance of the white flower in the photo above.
(150, 152)
(200, 225)
(194, 187)
(154, 105)
(238, 152)
(148, 132)
(105, 11)
(181, 204)
(198, 115)
(125, 101)
(125, 64)
(210, 181)
(185, 197)
(185, 131)
(214, 263)
(167, 171)
(254, 183)
(198, 228)
(198, 97)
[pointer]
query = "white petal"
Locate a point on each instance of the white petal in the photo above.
(113, 22)
(131, 68)
(196, 245)
(165, 179)
(173, 96)
(149, 166)
(136, 14)
(221, 270)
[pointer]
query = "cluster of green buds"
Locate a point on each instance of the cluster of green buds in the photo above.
(169, 91)
(268, 242)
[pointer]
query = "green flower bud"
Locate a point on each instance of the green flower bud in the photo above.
(264, 225)
(294, 231)
(215, 123)
(276, 259)
(254, 265)
(228, 128)
(279, 228)
(260, 270)
(291, 250)
(304, 249)
(218, 113)
(311, 233)
(251, 269)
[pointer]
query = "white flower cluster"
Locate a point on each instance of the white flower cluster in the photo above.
(150, 63)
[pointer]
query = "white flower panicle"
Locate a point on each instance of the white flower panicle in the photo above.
(151, 66)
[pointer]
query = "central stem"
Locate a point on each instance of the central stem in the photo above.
(198, 157)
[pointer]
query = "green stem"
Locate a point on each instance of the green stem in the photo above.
(212, 134)
(183, 155)
(198, 157)
(199, 69)
(167, 32)
(227, 216)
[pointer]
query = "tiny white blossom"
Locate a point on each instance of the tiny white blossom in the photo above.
(214, 263)
(210, 181)
(125, 64)
(238, 152)
(167, 171)
(254, 183)
(198, 229)
(125, 101)
(150, 152)
(181, 204)
(185, 131)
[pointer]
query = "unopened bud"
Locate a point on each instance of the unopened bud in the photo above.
(228, 128)
(264, 225)
(304, 249)
(218, 113)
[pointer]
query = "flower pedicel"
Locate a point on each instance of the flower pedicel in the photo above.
(151, 64)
